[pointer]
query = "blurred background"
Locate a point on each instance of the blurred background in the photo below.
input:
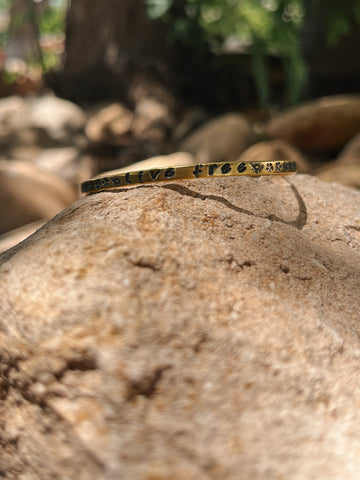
(89, 86)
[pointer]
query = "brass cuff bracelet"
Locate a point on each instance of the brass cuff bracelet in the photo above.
(154, 175)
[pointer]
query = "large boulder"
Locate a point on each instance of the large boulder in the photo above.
(321, 125)
(191, 330)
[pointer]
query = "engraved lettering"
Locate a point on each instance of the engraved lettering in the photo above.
(256, 167)
(169, 172)
(241, 167)
(140, 176)
(87, 187)
(226, 168)
(212, 168)
(116, 181)
(127, 178)
(198, 170)
(154, 174)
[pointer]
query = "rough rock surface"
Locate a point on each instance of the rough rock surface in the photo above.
(222, 139)
(205, 329)
(320, 125)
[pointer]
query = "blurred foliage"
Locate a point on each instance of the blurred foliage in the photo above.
(256, 27)
(48, 22)
(341, 19)
(261, 28)
(52, 25)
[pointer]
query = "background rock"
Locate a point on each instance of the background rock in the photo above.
(12, 238)
(348, 175)
(28, 194)
(45, 121)
(109, 124)
(350, 155)
(275, 150)
(321, 125)
(66, 163)
(191, 330)
(222, 139)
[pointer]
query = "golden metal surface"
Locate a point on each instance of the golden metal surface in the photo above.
(155, 175)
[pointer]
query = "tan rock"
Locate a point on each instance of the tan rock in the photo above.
(67, 163)
(350, 155)
(348, 175)
(149, 111)
(275, 150)
(45, 120)
(28, 194)
(12, 238)
(59, 119)
(321, 125)
(192, 330)
(109, 124)
(153, 122)
(220, 140)
(160, 161)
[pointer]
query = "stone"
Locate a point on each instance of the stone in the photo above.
(67, 163)
(189, 330)
(345, 169)
(192, 118)
(350, 154)
(153, 122)
(28, 194)
(60, 119)
(45, 121)
(275, 150)
(149, 111)
(12, 238)
(347, 174)
(222, 139)
(109, 124)
(320, 125)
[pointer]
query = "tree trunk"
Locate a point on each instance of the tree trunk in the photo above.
(114, 51)
(108, 45)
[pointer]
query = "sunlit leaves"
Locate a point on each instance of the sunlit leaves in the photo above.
(158, 8)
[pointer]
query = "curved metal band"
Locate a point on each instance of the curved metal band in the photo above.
(154, 175)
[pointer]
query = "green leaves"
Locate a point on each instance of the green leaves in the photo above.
(158, 8)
